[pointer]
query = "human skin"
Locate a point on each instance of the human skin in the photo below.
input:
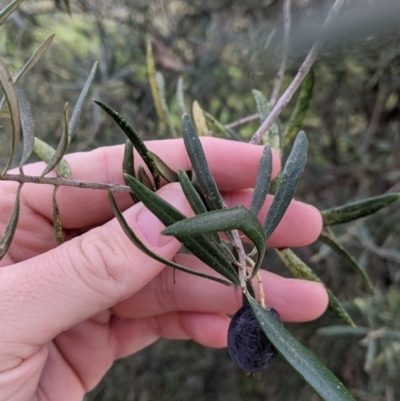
(67, 312)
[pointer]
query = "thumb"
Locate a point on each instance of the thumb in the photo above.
(45, 295)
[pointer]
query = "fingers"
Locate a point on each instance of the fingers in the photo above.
(54, 291)
(233, 165)
(295, 300)
(132, 335)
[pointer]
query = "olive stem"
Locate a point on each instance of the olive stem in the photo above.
(260, 290)
(58, 181)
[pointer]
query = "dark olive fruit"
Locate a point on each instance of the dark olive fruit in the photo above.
(247, 344)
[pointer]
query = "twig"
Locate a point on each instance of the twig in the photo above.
(57, 181)
(261, 293)
(374, 123)
(242, 121)
(298, 79)
(285, 52)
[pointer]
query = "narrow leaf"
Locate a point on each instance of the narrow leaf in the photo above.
(287, 184)
(218, 129)
(273, 137)
(299, 114)
(180, 98)
(80, 102)
(199, 164)
(199, 245)
(61, 148)
(9, 232)
(12, 99)
(165, 171)
(155, 89)
(136, 141)
(30, 63)
(236, 218)
(358, 209)
(318, 376)
(166, 116)
(199, 119)
(262, 182)
(341, 251)
(128, 165)
(392, 351)
(134, 238)
(28, 126)
(68, 7)
(34, 59)
(8, 10)
(343, 331)
(46, 152)
(57, 218)
(191, 194)
(198, 207)
(300, 270)
(144, 178)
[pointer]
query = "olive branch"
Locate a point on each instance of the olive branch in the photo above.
(213, 234)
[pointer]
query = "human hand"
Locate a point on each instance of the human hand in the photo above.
(67, 312)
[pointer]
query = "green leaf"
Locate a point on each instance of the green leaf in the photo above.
(356, 210)
(144, 178)
(46, 152)
(136, 141)
(199, 245)
(30, 63)
(28, 126)
(191, 194)
(236, 218)
(8, 10)
(9, 232)
(57, 218)
(166, 115)
(343, 331)
(218, 129)
(199, 164)
(262, 181)
(340, 250)
(300, 270)
(273, 137)
(287, 183)
(300, 110)
(80, 102)
(10, 93)
(321, 379)
(61, 148)
(180, 98)
(68, 7)
(199, 119)
(198, 207)
(165, 171)
(390, 352)
(134, 238)
(157, 86)
(128, 165)
(34, 59)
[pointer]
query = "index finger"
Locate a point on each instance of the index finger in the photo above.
(233, 165)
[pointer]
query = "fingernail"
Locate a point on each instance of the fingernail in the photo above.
(151, 226)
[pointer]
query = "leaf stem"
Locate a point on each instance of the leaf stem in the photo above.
(58, 181)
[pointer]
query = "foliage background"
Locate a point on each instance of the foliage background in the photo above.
(223, 49)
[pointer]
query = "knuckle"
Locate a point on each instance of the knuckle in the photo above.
(102, 262)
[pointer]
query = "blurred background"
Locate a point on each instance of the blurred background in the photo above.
(223, 49)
